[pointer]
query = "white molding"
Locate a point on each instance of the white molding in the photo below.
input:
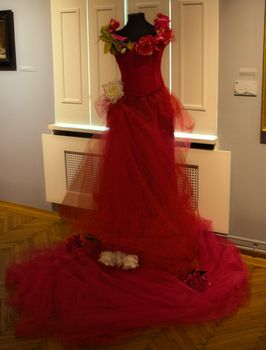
(99, 51)
(202, 105)
(65, 99)
(99, 129)
(147, 5)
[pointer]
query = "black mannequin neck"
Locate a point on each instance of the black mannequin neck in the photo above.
(136, 27)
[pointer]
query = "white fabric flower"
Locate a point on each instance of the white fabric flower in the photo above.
(119, 259)
(130, 262)
(108, 258)
(113, 90)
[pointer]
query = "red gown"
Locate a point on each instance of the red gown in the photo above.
(142, 205)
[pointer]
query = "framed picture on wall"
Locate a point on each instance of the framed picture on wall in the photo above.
(7, 41)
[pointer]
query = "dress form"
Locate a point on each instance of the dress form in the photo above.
(136, 27)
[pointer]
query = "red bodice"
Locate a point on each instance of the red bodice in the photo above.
(141, 75)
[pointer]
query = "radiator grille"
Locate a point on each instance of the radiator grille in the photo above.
(77, 179)
(192, 172)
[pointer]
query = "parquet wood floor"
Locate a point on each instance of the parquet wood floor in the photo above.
(22, 228)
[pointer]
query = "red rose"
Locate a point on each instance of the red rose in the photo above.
(161, 21)
(159, 43)
(145, 45)
(113, 24)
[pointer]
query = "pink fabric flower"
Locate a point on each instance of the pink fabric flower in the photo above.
(113, 25)
(119, 37)
(145, 45)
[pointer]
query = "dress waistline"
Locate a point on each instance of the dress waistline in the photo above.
(129, 93)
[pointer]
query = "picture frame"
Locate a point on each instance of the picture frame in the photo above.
(263, 97)
(7, 41)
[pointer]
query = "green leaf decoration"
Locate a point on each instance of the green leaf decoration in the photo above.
(107, 47)
(106, 35)
(110, 43)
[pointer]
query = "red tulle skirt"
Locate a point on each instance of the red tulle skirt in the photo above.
(141, 204)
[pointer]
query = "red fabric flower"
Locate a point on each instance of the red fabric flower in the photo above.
(166, 34)
(148, 44)
(198, 280)
(73, 243)
(159, 43)
(113, 25)
(81, 248)
(145, 45)
(162, 21)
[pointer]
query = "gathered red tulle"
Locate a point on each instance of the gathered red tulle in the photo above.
(142, 204)
(143, 197)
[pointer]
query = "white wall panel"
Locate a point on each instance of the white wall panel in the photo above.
(71, 56)
(195, 60)
(150, 8)
(192, 56)
(70, 60)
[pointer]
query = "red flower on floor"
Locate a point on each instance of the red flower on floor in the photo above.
(198, 280)
(73, 242)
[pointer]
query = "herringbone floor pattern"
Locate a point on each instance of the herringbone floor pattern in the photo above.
(22, 228)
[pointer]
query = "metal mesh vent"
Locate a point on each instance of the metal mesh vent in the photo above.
(77, 179)
(192, 172)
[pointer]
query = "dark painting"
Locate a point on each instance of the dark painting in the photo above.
(7, 41)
